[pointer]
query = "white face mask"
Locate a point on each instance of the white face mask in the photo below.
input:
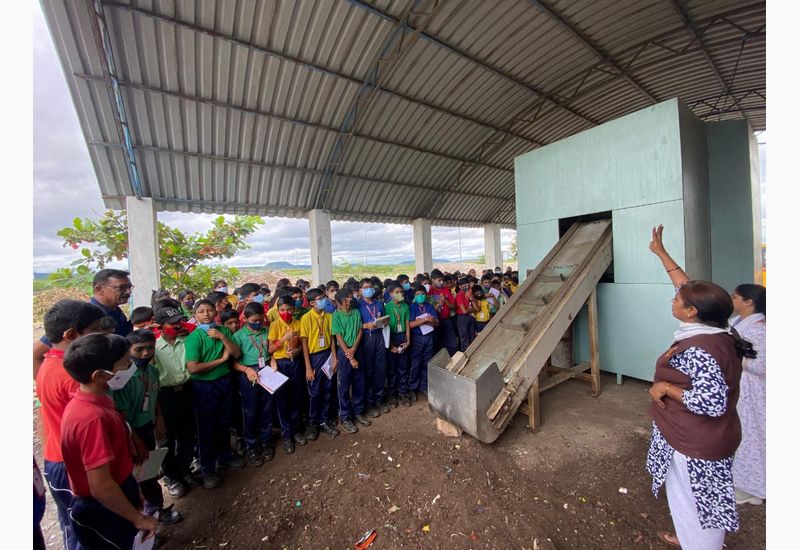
(119, 379)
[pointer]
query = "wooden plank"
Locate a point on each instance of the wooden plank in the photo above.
(551, 279)
(555, 380)
(521, 327)
(593, 343)
(534, 418)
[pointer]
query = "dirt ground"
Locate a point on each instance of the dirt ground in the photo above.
(559, 488)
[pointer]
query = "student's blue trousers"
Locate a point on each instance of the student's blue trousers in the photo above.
(55, 475)
(212, 406)
(288, 398)
(373, 353)
(150, 488)
(319, 389)
(397, 367)
(257, 411)
(99, 527)
(350, 379)
(447, 336)
(421, 353)
(466, 330)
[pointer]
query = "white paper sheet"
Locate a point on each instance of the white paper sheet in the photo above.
(327, 368)
(271, 380)
(140, 544)
(381, 322)
(494, 292)
(149, 468)
(426, 328)
(386, 336)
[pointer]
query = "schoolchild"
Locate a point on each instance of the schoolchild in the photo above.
(408, 290)
(422, 314)
(142, 317)
(331, 288)
(373, 350)
(443, 303)
(285, 348)
(186, 298)
(318, 348)
(64, 323)
(397, 360)
(137, 401)
(481, 309)
(221, 302)
(96, 447)
(175, 400)
(256, 402)
(229, 319)
(464, 318)
(346, 328)
(208, 351)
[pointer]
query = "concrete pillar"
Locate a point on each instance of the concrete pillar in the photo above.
(423, 251)
(492, 247)
(143, 255)
(319, 231)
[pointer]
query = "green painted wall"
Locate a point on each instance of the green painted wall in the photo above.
(696, 207)
(735, 193)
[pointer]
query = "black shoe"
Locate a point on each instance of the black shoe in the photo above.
(211, 481)
(333, 422)
(300, 439)
(372, 412)
(193, 480)
(330, 430)
(312, 433)
(413, 396)
(382, 407)
(168, 516)
(363, 420)
(288, 446)
(176, 488)
(349, 427)
(405, 400)
(268, 452)
(393, 402)
(235, 463)
(254, 458)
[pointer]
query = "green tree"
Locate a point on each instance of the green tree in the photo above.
(181, 255)
(513, 249)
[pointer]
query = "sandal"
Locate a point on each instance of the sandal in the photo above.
(669, 538)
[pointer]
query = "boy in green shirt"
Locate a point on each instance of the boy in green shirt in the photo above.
(397, 365)
(138, 403)
(208, 349)
(346, 328)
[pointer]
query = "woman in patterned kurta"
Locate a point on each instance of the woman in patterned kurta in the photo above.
(690, 381)
(749, 466)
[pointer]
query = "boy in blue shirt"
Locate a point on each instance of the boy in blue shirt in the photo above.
(423, 320)
(373, 349)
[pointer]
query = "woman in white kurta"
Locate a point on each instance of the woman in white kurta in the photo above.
(749, 465)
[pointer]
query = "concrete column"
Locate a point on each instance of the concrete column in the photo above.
(423, 251)
(492, 246)
(143, 255)
(319, 231)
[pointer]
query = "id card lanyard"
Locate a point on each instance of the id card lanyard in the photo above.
(146, 400)
(321, 333)
(262, 349)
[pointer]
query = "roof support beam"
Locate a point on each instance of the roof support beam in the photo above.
(604, 56)
(541, 93)
(257, 112)
(310, 171)
(305, 64)
(698, 37)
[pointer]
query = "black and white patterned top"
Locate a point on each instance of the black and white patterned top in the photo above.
(711, 480)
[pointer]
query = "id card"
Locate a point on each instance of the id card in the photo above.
(146, 402)
(262, 362)
(399, 327)
(321, 342)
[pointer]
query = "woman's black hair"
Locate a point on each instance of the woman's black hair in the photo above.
(756, 293)
(714, 307)
(184, 293)
(227, 315)
(94, 352)
(253, 308)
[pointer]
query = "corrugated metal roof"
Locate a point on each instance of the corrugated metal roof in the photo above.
(240, 106)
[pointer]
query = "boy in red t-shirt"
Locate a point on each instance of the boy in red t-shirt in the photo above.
(63, 323)
(96, 446)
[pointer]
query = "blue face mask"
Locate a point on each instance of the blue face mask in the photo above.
(298, 303)
(368, 292)
(139, 362)
(254, 326)
(406, 286)
(258, 298)
(223, 289)
(207, 326)
(321, 303)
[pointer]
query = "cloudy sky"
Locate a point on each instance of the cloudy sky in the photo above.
(64, 187)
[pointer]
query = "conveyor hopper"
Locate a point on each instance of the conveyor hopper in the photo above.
(481, 389)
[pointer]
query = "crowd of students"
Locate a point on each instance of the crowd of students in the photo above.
(184, 374)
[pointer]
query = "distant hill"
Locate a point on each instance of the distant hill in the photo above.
(40, 276)
(435, 261)
(286, 265)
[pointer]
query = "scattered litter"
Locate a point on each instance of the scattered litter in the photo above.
(390, 458)
(473, 536)
(340, 481)
(582, 499)
(298, 504)
(457, 446)
(271, 481)
(638, 538)
(223, 544)
(644, 515)
(306, 486)
(363, 476)
(383, 452)
(393, 509)
(366, 540)
(380, 445)
(480, 510)
(448, 470)
(390, 526)
(437, 497)
(566, 506)
(354, 444)
(426, 528)
(398, 465)
(623, 490)
(265, 539)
